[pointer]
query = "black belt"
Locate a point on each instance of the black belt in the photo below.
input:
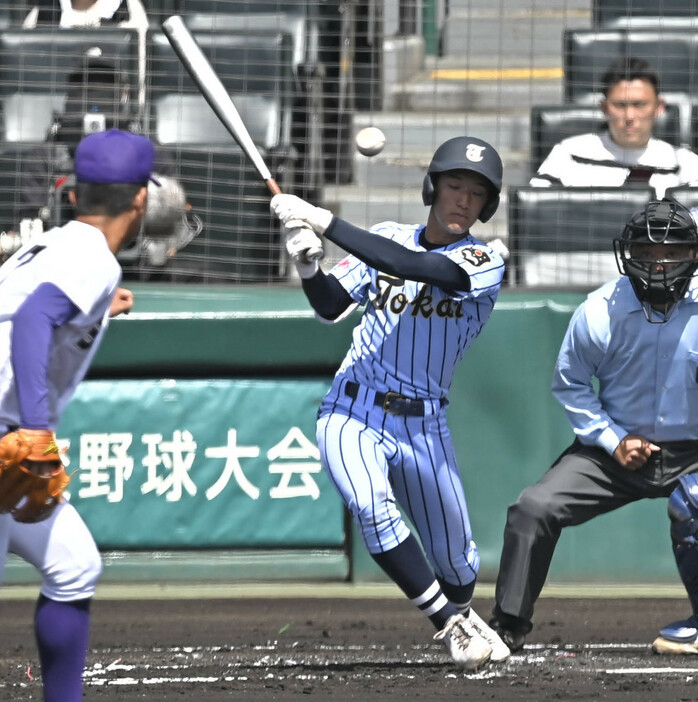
(392, 402)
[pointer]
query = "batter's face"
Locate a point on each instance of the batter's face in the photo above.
(458, 200)
(631, 107)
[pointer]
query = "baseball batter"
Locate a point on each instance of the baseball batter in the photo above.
(56, 295)
(382, 432)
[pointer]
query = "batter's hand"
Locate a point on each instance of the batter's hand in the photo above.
(121, 303)
(289, 207)
(634, 451)
(304, 248)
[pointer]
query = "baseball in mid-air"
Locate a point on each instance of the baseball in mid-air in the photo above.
(370, 141)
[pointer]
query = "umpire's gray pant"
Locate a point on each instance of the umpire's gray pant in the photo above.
(583, 483)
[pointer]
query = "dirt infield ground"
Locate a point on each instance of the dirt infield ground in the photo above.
(350, 649)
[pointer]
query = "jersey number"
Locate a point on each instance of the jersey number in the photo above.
(89, 339)
(29, 255)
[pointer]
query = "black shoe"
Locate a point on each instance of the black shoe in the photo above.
(513, 636)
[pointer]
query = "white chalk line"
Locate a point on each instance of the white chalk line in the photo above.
(401, 665)
(652, 671)
(151, 674)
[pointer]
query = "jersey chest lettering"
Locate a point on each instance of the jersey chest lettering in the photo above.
(391, 298)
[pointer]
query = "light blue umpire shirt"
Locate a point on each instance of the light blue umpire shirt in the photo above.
(647, 373)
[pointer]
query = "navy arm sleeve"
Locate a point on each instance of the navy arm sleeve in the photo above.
(326, 295)
(45, 309)
(390, 257)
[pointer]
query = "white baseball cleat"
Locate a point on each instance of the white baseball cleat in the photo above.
(466, 646)
(500, 651)
(665, 646)
(678, 638)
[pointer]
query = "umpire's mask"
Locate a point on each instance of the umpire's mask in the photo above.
(657, 251)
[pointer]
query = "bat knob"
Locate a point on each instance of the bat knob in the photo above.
(315, 254)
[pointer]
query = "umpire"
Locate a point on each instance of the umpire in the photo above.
(637, 436)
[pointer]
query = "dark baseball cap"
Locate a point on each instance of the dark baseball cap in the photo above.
(114, 156)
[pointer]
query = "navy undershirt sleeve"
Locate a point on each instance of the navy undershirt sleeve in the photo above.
(394, 259)
(326, 295)
(33, 324)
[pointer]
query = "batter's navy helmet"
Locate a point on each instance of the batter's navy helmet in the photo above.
(659, 282)
(469, 154)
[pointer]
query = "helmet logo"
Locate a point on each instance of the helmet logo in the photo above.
(473, 152)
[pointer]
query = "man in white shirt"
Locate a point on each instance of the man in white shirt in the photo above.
(87, 13)
(626, 153)
(96, 13)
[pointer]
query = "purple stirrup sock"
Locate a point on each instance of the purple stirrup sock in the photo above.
(62, 631)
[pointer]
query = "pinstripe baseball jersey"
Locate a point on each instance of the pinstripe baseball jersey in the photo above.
(412, 335)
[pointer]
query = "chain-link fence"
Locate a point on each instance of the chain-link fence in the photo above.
(306, 76)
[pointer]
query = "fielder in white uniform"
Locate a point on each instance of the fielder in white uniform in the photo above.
(627, 153)
(56, 295)
(382, 431)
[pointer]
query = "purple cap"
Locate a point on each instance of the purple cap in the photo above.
(114, 156)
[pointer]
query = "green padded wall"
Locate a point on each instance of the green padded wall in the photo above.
(506, 426)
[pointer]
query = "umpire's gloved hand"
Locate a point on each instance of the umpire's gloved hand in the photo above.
(290, 207)
(304, 247)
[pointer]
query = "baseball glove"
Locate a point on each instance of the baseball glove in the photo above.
(32, 475)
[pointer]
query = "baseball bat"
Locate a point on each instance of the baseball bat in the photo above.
(210, 86)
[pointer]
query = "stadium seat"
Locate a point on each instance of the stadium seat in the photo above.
(12, 14)
(254, 67)
(34, 65)
(241, 240)
(562, 237)
(335, 58)
(639, 13)
(159, 10)
(587, 53)
(672, 52)
(302, 26)
(300, 21)
(687, 196)
(226, 7)
(551, 124)
(188, 119)
(11, 156)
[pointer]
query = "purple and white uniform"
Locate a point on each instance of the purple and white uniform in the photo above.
(68, 273)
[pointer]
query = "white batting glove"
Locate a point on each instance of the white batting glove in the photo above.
(304, 248)
(290, 207)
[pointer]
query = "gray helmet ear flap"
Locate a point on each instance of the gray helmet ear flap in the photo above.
(489, 209)
(427, 191)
